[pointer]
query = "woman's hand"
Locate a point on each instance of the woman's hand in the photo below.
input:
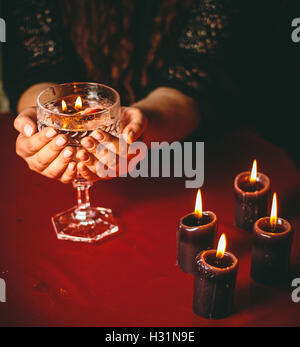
(45, 152)
(173, 116)
(100, 156)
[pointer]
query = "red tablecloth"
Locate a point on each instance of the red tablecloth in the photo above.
(132, 280)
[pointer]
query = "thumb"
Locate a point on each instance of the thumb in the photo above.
(135, 123)
(25, 123)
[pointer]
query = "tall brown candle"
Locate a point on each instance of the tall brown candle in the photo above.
(271, 249)
(196, 232)
(252, 192)
(214, 282)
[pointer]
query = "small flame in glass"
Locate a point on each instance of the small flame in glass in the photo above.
(198, 206)
(273, 218)
(221, 247)
(78, 104)
(63, 105)
(253, 176)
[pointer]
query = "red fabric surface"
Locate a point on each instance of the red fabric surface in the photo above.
(132, 279)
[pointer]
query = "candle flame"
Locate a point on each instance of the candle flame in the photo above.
(78, 104)
(221, 247)
(198, 206)
(63, 105)
(273, 218)
(253, 176)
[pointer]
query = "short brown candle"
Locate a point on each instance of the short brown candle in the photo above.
(196, 232)
(271, 250)
(252, 192)
(214, 283)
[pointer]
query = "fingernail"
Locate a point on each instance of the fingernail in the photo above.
(50, 133)
(98, 136)
(85, 157)
(81, 167)
(88, 144)
(68, 153)
(61, 141)
(28, 130)
(72, 166)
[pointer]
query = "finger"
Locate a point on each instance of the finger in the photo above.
(86, 173)
(134, 123)
(134, 130)
(59, 165)
(107, 166)
(90, 144)
(106, 140)
(25, 123)
(69, 174)
(110, 167)
(100, 140)
(85, 157)
(104, 172)
(118, 166)
(29, 146)
(88, 159)
(43, 158)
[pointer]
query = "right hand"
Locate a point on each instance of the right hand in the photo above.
(45, 152)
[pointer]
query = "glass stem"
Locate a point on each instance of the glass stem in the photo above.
(83, 199)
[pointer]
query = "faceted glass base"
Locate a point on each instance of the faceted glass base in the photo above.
(93, 226)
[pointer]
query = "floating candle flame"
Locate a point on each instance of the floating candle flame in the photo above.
(198, 207)
(78, 104)
(63, 105)
(253, 176)
(221, 247)
(273, 218)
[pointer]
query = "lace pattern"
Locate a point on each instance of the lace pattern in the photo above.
(203, 39)
(38, 33)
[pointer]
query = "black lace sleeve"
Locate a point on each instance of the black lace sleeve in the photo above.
(35, 50)
(200, 47)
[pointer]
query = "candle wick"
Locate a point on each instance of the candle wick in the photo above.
(218, 261)
(273, 227)
(198, 217)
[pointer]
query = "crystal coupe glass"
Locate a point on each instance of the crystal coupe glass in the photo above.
(77, 109)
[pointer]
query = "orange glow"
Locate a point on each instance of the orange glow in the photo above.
(253, 176)
(63, 105)
(221, 247)
(273, 218)
(198, 207)
(78, 104)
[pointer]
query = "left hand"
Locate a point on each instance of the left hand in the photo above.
(133, 125)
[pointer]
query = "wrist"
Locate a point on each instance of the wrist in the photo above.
(29, 96)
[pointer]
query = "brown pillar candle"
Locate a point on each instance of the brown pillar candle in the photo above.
(271, 249)
(196, 232)
(214, 282)
(252, 192)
